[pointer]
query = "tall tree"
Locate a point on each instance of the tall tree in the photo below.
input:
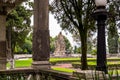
(18, 25)
(68, 45)
(52, 44)
(112, 26)
(74, 15)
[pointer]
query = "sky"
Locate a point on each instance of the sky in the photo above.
(53, 26)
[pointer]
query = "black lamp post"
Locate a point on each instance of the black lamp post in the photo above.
(100, 15)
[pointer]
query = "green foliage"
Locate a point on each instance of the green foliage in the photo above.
(77, 50)
(68, 45)
(19, 22)
(112, 28)
(113, 41)
(74, 16)
(52, 44)
(27, 46)
(94, 51)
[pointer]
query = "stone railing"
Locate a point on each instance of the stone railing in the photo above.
(34, 74)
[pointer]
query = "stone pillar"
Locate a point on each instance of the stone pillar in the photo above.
(41, 42)
(2, 42)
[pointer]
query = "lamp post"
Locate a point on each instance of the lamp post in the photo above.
(100, 15)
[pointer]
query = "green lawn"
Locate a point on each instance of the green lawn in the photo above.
(63, 69)
(55, 60)
(22, 63)
(27, 63)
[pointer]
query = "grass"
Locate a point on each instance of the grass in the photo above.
(52, 60)
(63, 69)
(27, 62)
(22, 63)
(61, 60)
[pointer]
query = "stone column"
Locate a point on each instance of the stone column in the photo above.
(41, 42)
(3, 42)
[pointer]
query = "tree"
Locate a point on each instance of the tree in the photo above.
(18, 25)
(74, 15)
(68, 45)
(77, 50)
(27, 46)
(52, 44)
(112, 27)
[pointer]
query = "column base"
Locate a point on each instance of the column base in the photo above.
(41, 65)
(3, 63)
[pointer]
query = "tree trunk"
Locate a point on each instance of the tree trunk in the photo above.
(83, 36)
(10, 55)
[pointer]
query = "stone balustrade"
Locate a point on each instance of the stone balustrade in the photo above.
(34, 74)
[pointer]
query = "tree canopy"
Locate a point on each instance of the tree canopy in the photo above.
(18, 24)
(113, 27)
(74, 15)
